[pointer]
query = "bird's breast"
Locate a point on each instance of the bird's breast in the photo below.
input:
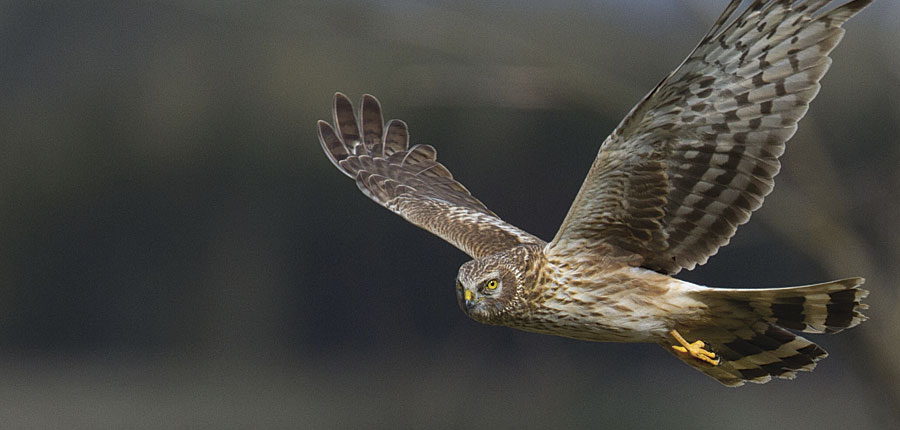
(624, 304)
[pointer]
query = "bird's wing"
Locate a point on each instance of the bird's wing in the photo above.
(410, 182)
(697, 155)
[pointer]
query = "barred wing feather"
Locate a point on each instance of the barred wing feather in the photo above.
(409, 181)
(698, 154)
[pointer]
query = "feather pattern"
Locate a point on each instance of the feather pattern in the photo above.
(749, 333)
(698, 154)
(410, 181)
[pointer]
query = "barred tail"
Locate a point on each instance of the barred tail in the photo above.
(820, 308)
(747, 330)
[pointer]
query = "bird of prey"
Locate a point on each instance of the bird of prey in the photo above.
(669, 186)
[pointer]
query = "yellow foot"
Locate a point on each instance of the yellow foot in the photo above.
(694, 349)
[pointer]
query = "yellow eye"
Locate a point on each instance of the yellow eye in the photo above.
(492, 284)
(459, 285)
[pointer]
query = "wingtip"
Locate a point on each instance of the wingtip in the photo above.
(369, 105)
(848, 10)
(857, 5)
(368, 98)
(332, 145)
(341, 100)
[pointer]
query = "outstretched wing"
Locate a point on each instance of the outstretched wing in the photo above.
(410, 182)
(697, 155)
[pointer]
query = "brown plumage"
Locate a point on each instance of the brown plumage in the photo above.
(670, 185)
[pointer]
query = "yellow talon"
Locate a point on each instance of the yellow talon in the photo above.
(694, 349)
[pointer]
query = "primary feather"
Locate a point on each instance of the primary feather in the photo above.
(696, 157)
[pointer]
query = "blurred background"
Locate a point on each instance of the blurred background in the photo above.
(177, 252)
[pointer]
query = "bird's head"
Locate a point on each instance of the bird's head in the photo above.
(488, 288)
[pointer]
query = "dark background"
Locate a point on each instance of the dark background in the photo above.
(177, 252)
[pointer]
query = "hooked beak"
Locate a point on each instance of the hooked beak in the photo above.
(469, 297)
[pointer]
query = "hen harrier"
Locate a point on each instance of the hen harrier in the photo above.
(669, 186)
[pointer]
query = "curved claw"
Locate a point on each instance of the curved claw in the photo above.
(695, 349)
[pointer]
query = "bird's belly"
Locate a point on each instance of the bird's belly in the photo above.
(597, 323)
(629, 305)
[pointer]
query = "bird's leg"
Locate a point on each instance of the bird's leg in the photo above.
(694, 349)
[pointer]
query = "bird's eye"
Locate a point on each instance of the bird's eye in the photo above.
(492, 284)
(459, 285)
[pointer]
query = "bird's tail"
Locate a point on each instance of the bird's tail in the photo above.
(747, 328)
